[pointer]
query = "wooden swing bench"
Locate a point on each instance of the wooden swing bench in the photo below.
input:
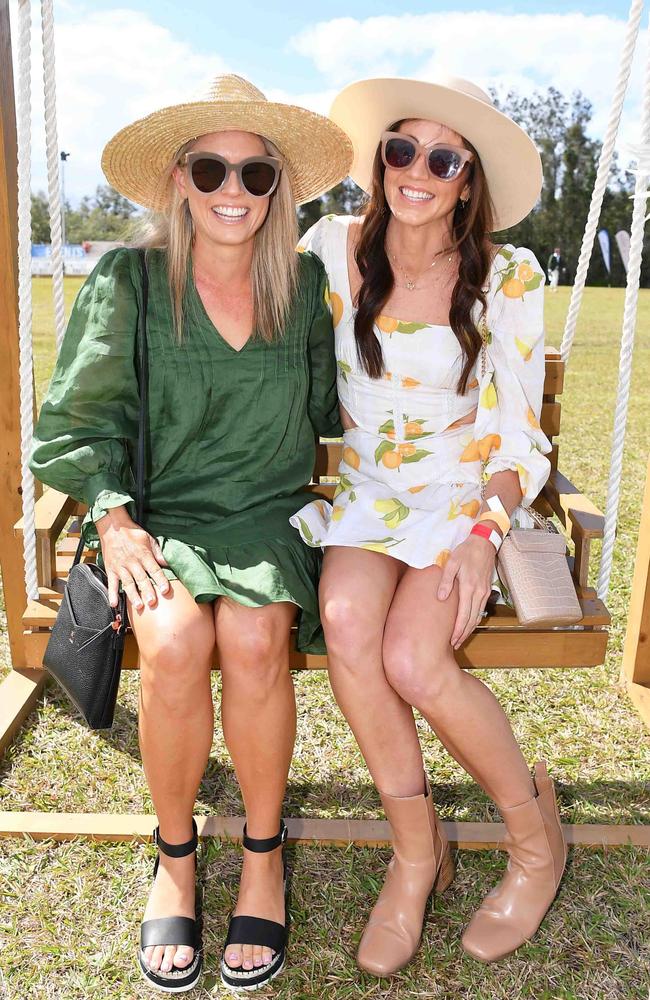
(499, 642)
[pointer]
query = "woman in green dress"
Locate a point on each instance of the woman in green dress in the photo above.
(241, 379)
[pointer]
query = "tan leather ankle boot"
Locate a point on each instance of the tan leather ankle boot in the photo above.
(421, 861)
(511, 913)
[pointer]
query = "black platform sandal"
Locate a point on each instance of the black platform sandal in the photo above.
(177, 931)
(256, 930)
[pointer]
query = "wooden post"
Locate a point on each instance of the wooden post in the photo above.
(635, 670)
(11, 556)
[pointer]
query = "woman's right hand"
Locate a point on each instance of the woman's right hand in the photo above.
(131, 557)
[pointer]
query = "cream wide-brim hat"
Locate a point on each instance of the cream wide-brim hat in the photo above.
(510, 159)
(316, 152)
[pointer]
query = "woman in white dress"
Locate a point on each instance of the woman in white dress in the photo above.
(440, 351)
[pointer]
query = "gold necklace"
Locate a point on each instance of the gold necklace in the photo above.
(411, 283)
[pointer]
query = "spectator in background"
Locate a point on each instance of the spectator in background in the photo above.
(555, 262)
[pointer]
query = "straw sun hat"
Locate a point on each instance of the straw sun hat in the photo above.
(509, 157)
(317, 153)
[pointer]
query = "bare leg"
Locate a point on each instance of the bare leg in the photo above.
(356, 590)
(176, 642)
(463, 712)
(259, 725)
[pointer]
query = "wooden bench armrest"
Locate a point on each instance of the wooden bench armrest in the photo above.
(567, 501)
(576, 510)
(52, 511)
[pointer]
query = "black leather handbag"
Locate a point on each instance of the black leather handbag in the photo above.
(84, 653)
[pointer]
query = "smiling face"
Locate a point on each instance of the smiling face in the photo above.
(414, 196)
(230, 215)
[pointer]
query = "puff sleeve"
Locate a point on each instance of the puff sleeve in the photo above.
(510, 400)
(324, 411)
(91, 408)
(316, 238)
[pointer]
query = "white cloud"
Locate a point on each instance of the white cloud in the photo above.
(111, 68)
(519, 51)
(316, 100)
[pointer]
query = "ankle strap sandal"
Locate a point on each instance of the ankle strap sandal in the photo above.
(177, 931)
(256, 930)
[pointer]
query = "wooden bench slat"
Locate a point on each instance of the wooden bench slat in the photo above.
(486, 648)
(42, 613)
(553, 378)
(550, 418)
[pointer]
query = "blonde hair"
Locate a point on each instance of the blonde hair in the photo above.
(274, 268)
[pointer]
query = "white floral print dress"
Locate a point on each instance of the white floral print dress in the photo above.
(409, 487)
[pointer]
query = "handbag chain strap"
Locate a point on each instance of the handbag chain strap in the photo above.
(484, 337)
(544, 523)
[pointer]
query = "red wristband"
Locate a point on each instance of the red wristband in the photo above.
(482, 529)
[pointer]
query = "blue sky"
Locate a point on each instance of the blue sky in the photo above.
(254, 34)
(117, 61)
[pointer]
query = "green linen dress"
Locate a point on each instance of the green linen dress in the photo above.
(232, 433)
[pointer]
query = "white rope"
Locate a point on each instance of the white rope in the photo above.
(641, 194)
(23, 129)
(53, 181)
(602, 177)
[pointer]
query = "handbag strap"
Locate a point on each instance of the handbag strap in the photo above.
(143, 380)
(143, 384)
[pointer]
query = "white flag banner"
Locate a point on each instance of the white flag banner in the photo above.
(623, 244)
(603, 239)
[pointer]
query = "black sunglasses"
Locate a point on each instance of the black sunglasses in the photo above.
(208, 172)
(443, 161)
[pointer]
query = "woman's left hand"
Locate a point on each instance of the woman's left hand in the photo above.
(472, 563)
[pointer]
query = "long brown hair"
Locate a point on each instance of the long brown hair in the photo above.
(470, 228)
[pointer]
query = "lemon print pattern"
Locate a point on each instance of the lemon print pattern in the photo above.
(391, 511)
(351, 457)
(408, 488)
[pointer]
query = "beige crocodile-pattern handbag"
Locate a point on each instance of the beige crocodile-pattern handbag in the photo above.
(532, 563)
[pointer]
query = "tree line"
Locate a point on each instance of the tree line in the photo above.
(558, 125)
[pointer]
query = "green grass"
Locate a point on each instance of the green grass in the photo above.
(69, 913)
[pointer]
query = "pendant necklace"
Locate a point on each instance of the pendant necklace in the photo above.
(411, 283)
